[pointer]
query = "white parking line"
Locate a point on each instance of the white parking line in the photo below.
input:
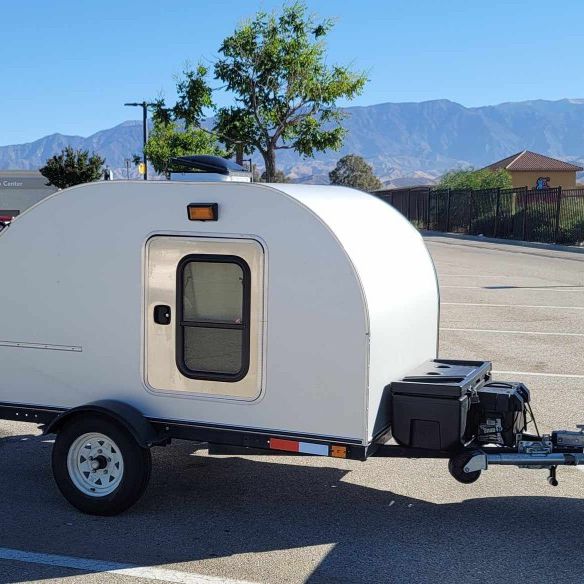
(98, 566)
(560, 375)
(537, 333)
(479, 276)
(503, 287)
(511, 305)
(501, 276)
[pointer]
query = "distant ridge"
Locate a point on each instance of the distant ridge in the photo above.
(403, 141)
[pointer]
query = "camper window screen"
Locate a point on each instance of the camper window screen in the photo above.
(213, 301)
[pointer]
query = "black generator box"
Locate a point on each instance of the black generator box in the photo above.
(430, 406)
(501, 412)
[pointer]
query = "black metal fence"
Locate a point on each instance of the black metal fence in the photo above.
(549, 216)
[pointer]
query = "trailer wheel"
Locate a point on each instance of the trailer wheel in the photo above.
(456, 468)
(98, 465)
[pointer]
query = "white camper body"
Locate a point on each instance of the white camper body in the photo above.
(265, 317)
(343, 300)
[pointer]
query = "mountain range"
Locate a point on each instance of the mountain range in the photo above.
(407, 143)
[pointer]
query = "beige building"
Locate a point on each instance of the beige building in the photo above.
(536, 171)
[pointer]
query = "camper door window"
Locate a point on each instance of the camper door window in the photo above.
(213, 300)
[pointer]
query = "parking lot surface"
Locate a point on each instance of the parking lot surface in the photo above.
(282, 519)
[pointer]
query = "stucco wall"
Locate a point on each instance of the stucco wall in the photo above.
(564, 179)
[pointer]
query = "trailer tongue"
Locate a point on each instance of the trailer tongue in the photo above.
(454, 408)
(560, 448)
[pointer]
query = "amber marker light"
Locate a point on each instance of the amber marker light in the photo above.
(338, 451)
(203, 211)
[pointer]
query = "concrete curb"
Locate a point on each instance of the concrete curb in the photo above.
(510, 242)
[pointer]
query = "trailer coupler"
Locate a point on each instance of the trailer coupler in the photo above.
(560, 448)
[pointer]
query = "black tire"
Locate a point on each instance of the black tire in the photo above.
(137, 466)
(456, 468)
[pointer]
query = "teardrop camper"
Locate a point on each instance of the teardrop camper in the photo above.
(272, 317)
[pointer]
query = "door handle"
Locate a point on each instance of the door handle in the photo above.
(162, 314)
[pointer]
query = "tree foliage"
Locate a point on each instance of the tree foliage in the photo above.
(177, 130)
(72, 167)
(166, 141)
(475, 179)
(285, 93)
(353, 171)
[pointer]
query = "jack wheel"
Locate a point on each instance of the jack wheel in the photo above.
(552, 480)
(456, 468)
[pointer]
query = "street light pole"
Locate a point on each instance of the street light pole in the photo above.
(145, 134)
(144, 105)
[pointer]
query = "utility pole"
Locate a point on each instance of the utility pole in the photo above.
(144, 105)
(127, 161)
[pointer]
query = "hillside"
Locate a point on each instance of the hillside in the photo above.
(405, 142)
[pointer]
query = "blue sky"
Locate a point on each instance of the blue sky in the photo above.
(68, 66)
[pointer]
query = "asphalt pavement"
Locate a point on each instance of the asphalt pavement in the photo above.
(287, 520)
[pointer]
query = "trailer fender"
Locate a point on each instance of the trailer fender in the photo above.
(125, 415)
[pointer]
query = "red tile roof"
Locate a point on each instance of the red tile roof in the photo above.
(527, 160)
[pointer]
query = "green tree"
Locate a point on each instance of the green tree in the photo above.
(285, 93)
(72, 167)
(166, 141)
(177, 130)
(475, 179)
(353, 171)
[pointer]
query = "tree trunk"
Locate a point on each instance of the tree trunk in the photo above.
(270, 161)
(239, 154)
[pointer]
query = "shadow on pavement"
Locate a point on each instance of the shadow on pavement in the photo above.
(202, 507)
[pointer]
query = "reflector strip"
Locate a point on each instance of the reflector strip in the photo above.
(303, 447)
(309, 448)
(288, 445)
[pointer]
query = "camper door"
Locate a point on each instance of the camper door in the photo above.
(204, 316)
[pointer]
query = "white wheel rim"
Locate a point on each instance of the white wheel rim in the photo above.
(95, 464)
